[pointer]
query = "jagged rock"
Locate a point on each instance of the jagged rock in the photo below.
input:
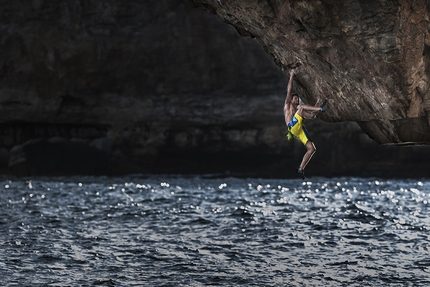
(371, 59)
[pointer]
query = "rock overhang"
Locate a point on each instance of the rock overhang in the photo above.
(370, 59)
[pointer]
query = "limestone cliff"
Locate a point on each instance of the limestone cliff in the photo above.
(370, 59)
(157, 86)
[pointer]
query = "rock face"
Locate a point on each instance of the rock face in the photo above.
(371, 59)
(148, 76)
(117, 87)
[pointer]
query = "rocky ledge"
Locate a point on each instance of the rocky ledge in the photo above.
(370, 59)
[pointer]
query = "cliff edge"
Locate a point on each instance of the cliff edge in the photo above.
(370, 59)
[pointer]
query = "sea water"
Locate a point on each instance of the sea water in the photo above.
(203, 231)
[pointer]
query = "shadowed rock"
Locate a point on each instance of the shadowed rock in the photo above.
(158, 86)
(42, 157)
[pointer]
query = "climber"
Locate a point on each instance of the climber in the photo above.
(294, 118)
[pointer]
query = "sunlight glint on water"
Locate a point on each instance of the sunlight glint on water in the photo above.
(178, 231)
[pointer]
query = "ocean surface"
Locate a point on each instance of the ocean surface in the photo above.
(205, 231)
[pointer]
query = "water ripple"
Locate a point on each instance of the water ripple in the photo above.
(193, 231)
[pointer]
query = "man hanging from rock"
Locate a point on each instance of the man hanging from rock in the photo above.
(295, 115)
